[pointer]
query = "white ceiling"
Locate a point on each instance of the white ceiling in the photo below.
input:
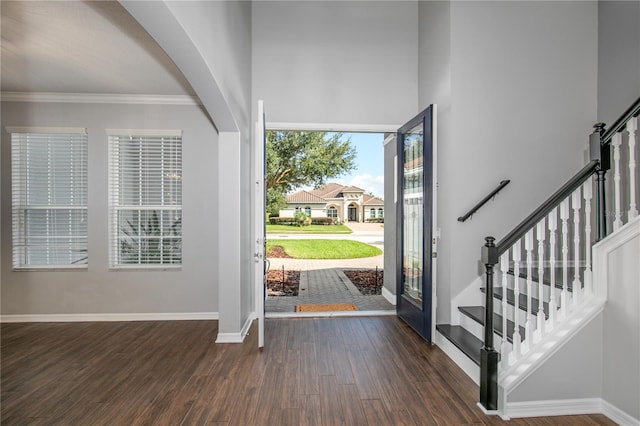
(82, 47)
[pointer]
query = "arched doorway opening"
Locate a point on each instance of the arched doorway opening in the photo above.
(352, 212)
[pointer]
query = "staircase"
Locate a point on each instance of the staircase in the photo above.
(539, 290)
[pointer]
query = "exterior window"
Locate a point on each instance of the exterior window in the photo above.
(145, 198)
(332, 212)
(49, 197)
(297, 209)
(307, 210)
(372, 213)
(380, 213)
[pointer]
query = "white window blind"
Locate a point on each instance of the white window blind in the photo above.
(145, 198)
(49, 197)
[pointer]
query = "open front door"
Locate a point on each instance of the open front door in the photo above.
(261, 262)
(416, 223)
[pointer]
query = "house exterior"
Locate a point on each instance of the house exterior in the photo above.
(518, 86)
(343, 203)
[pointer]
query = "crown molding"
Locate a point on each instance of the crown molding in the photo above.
(99, 98)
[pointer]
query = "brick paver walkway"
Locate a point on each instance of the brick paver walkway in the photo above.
(323, 281)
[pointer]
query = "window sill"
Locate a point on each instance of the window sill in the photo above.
(145, 268)
(82, 268)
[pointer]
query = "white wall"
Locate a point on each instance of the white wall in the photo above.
(523, 100)
(435, 88)
(211, 44)
(621, 330)
(618, 57)
(573, 372)
(336, 62)
(98, 290)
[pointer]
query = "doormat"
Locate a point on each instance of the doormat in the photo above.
(331, 307)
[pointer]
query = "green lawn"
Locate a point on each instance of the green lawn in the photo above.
(311, 229)
(324, 249)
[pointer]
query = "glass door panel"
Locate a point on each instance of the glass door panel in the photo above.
(416, 213)
(413, 217)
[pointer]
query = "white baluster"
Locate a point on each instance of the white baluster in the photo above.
(553, 306)
(540, 235)
(528, 246)
(617, 141)
(517, 339)
(588, 195)
(632, 127)
(564, 217)
(576, 203)
(504, 269)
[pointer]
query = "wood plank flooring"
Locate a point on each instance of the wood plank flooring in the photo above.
(314, 371)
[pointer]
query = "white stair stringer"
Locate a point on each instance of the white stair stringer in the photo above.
(515, 374)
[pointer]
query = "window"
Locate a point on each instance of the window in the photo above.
(49, 197)
(332, 212)
(380, 213)
(307, 211)
(145, 198)
(372, 213)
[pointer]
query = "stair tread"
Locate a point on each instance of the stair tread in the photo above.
(547, 276)
(522, 300)
(469, 344)
(476, 313)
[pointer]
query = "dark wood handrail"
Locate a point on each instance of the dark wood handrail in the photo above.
(492, 194)
(621, 122)
(546, 207)
(599, 142)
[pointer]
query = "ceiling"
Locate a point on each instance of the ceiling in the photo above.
(82, 47)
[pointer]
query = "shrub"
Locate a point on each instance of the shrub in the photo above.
(322, 221)
(302, 219)
(282, 221)
(375, 220)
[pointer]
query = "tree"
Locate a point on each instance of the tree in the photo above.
(296, 159)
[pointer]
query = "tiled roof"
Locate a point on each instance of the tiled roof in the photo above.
(372, 200)
(413, 164)
(303, 196)
(352, 189)
(328, 188)
(331, 190)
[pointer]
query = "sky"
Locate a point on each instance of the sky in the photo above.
(369, 172)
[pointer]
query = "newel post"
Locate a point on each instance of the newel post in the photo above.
(489, 357)
(602, 153)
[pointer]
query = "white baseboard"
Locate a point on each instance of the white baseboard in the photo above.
(247, 325)
(618, 416)
(236, 337)
(559, 407)
(568, 407)
(229, 338)
(391, 298)
(153, 316)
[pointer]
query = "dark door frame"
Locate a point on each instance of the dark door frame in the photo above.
(420, 318)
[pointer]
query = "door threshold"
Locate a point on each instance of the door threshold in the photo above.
(385, 312)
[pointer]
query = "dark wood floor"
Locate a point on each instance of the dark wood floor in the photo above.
(330, 371)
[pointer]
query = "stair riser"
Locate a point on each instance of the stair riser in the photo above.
(522, 314)
(478, 330)
(497, 306)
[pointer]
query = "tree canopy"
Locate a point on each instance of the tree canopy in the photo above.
(296, 159)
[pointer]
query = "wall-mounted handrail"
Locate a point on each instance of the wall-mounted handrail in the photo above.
(546, 207)
(603, 146)
(492, 194)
